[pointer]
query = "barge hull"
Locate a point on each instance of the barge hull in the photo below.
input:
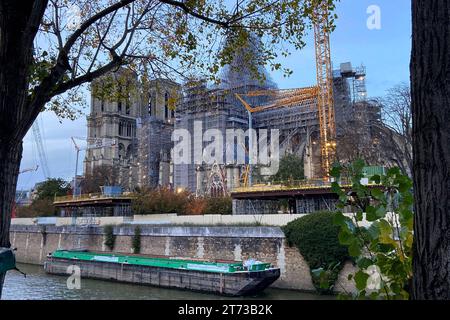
(231, 284)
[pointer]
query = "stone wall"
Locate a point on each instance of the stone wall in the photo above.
(266, 244)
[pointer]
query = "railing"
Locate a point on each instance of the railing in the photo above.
(91, 196)
(292, 185)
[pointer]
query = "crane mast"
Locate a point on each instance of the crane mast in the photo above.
(40, 148)
(325, 99)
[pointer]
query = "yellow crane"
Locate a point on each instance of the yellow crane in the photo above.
(323, 92)
(325, 101)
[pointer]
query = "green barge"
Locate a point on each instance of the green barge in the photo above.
(234, 278)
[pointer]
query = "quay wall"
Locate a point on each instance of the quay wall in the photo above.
(171, 219)
(268, 244)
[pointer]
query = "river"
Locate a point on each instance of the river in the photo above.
(38, 285)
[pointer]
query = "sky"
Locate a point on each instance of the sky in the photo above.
(385, 52)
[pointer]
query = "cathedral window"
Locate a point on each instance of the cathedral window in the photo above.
(121, 151)
(150, 105)
(166, 105)
(120, 96)
(128, 104)
(120, 129)
(128, 129)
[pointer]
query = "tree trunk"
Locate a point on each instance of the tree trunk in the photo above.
(9, 170)
(430, 85)
(18, 26)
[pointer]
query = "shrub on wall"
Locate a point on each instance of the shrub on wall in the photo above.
(195, 206)
(136, 243)
(38, 208)
(316, 237)
(161, 200)
(164, 200)
(110, 238)
(218, 205)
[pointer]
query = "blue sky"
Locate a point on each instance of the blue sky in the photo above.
(384, 52)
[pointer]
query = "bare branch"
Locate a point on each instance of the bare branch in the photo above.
(186, 9)
(88, 77)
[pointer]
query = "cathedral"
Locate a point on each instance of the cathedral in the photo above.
(139, 119)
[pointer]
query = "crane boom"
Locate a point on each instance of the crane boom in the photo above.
(325, 99)
(279, 98)
(29, 169)
(40, 148)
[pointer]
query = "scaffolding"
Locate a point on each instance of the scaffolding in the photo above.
(211, 108)
(154, 152)
(359, 84)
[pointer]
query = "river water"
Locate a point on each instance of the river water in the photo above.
(38, 285)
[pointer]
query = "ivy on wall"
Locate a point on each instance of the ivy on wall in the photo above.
(316, 237)
(136, 240)
(110, 238)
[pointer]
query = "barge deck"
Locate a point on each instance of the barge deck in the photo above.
(225, 278)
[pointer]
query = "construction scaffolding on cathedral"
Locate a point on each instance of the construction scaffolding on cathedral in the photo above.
(143, 121)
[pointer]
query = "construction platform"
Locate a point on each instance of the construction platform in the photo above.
(301, 197)
(97, 204)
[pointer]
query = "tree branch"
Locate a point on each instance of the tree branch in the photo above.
(88, 77)
(186, 9)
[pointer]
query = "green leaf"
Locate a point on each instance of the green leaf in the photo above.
(405, 186)
(359, 216)
(380, 212)
(407, 199)
(349, 225)
(361, 280)
(354, 248)
(405, 215)
(343, 198)
(386, 232)
(373, 230)
(345, 237)
(339, 219)
(371, 213)
(376, 178)
(393, 171)
(358, 165)
(340, 205)
(363, 263)
(336, 171)
(374, 295)
(378, 194)
(336, 188)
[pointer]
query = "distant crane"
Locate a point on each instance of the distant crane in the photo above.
(40, 148)
(29, 169)
(13, 210)
(94, 144)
